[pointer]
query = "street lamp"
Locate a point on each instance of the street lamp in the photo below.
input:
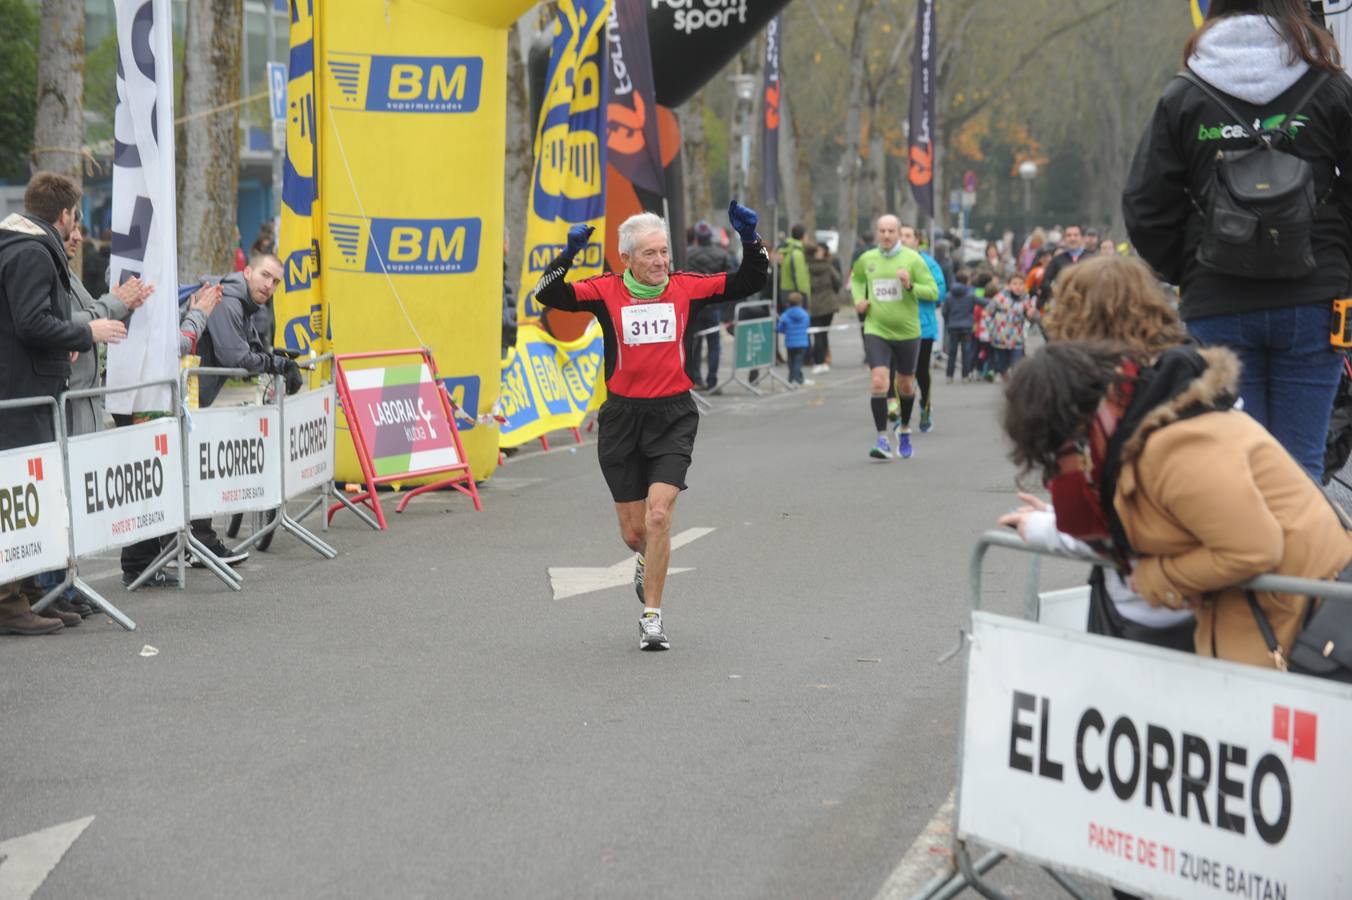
(1027, 171)
(744, 88)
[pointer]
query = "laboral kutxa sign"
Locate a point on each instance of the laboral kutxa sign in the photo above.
(32, 512)
(400, 420)
(1162, 772)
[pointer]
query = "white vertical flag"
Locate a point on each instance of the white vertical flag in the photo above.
(144, 227)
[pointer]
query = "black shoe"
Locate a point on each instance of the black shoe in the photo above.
(160, 579)
(79, 606)
(222, 553)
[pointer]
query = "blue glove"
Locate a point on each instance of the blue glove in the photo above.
(578, 236)
(743, 222)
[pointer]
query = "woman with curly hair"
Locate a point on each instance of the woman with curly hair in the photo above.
(1114, 298)
(1191, 496)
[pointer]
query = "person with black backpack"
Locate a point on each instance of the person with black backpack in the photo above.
(1249, 159)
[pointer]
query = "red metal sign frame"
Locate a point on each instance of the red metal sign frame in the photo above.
(462, 479)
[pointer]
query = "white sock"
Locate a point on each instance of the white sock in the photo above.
(651, 611)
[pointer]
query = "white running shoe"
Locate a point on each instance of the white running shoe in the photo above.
(650, 633)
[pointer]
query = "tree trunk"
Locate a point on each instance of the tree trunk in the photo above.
(58, 132)
(695, 156)
(847, 212)
(791, 179)
(208, 141)
(520, 145)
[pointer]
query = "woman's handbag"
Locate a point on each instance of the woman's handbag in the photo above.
(1324, 646)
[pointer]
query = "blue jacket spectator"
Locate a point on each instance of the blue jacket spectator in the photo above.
(793, 324)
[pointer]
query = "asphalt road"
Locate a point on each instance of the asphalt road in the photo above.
(419, 718)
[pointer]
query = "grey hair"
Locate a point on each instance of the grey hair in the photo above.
(638, 225)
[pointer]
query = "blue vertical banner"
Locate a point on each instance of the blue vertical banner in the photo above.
(921, 141)
(568, 184)
(302, 314)
(770, 122)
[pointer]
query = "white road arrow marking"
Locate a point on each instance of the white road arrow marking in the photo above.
(570, 582)
(25, 862)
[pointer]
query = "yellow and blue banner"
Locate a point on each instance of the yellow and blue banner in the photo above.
(549, 385)
(568, 180)
(302, 315)
(1198, 11)
(393, 190)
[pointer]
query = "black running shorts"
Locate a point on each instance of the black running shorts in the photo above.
(641, 442)
(880, 353)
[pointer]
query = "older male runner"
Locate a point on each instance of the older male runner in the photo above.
(648, 423)
(887, 283)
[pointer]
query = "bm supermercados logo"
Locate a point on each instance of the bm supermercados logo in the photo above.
(404, 246)
(405, 84)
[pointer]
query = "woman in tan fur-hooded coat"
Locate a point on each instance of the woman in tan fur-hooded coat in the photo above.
(1205, 497)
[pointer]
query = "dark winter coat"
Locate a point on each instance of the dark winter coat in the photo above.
(1173, 165)
(826, 282)
(959, 307)
(230, 341)
(36, 333)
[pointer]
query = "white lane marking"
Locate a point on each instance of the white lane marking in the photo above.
(570, 581)
(923, 860)
(25, 862)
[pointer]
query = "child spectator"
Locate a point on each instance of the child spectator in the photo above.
(959, 312)
(981, 335)
(793, 323)
(1009, 312)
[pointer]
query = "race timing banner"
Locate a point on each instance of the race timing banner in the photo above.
(548, 385)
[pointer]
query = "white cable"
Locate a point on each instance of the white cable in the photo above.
(361, 208)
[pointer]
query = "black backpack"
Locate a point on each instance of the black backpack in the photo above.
(1259, 205)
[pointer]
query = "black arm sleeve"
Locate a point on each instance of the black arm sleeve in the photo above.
(749, 278)
(30, 280)
(1155, 203)
(552, 291)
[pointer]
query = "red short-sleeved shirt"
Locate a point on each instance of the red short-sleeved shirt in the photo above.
(649, 335)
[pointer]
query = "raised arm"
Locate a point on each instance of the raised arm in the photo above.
(556, 293)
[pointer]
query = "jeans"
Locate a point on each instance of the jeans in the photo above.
(960, 338)
(821, 341)
(707, 318)
(1290, 373)
(796, 355)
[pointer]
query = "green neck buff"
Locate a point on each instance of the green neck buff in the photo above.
(643, 291)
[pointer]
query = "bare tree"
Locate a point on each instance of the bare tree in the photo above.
(520, 141)
(695, 158)
(58, 131)
(208, 137)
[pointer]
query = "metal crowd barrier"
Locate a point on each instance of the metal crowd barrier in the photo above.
(73, 579)
(963, 872)
(283, 519)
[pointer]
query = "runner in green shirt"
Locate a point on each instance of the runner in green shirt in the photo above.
(887, 283)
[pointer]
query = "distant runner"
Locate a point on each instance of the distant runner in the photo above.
(648, 423)
(888, 283)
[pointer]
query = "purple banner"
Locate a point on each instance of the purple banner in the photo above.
(635, 149)
(770, 142)
(921, 155)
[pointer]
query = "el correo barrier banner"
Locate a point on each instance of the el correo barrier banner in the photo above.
(311, 430)
(1168, 774)
(548, 385)
(234, 460)
(32, 512)
(403, 424)
(126, 485)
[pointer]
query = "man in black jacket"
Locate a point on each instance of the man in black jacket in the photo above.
(1072, 251)
(706, 258)
(37, 338)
